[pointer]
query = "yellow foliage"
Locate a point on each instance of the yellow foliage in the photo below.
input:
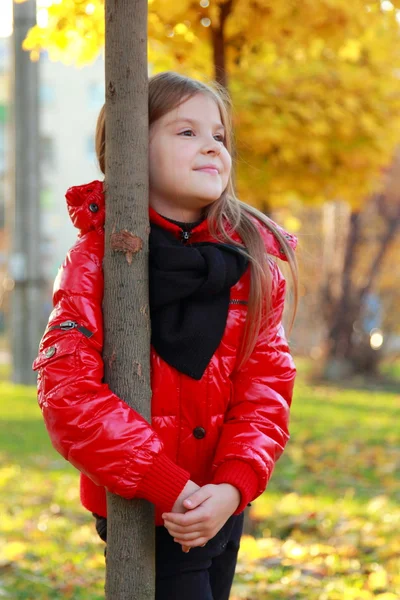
(250, 548)
(313, 84)
(378, 580)
(7, 473)
(180, 28)
(351, 51)
(293, 550)
(377, 504)
(13, 551)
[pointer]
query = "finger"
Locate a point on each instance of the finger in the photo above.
(186, 548)
(181, 539)
(183, 534)
(200, 541)
(178, 529)
(198, 497)
(198, 515)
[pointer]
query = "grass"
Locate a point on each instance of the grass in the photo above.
(326, 528)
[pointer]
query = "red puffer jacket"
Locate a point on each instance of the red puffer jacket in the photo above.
(229, 427)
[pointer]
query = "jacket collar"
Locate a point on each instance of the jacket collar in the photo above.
(86, 208)
(197, 232)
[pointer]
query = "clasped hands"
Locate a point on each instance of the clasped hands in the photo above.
(198, 515)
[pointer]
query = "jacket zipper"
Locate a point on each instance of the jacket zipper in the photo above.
(185, 235)
(238, 301)
(68, 325)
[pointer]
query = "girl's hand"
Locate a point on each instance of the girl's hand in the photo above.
(208, 510)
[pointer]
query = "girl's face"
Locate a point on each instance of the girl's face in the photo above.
(181, 142)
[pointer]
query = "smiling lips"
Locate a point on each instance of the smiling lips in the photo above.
(212, 169)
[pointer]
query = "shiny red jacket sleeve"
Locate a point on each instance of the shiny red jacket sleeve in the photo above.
(88, 424)
(255, 429)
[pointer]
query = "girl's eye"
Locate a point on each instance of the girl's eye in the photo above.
(186, 131)
(217, 134)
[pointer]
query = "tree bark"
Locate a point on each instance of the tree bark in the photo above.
(130, 563)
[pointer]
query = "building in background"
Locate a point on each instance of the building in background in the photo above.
(70, 100)
(69, 103)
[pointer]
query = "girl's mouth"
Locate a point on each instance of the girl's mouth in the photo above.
(211, 171)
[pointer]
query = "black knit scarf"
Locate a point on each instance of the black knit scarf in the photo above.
(189, 289)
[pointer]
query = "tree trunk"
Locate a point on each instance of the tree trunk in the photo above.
(218, 44)
(349, 351)
(130, 564)
(344, 315)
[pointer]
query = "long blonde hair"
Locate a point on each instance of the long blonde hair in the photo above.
(167, 91)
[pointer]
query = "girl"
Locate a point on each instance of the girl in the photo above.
(221, 371)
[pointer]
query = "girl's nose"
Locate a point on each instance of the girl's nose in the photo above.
(213, 146)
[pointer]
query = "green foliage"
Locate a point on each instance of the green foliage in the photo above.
(325, 529)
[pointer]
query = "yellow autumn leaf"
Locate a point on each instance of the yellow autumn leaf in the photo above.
(351, 50)
(293, 550)
(378, 580)
(8, 472)
(249, 548)
(292, 223)
(180, 28)
(13, 550)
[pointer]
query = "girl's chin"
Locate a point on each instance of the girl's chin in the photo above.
(204, 196)
(206, 201)
(211, 193)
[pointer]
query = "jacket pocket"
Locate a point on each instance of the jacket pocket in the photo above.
(52, 353)
(56, 363)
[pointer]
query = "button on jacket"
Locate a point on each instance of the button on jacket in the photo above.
(231, 426)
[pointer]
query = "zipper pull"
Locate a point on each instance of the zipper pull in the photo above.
(185, 235)
(68, 325)
(85, 331)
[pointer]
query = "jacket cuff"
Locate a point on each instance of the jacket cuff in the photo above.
(242, 476)
(163, 483)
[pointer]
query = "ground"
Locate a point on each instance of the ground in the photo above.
(326, 528)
